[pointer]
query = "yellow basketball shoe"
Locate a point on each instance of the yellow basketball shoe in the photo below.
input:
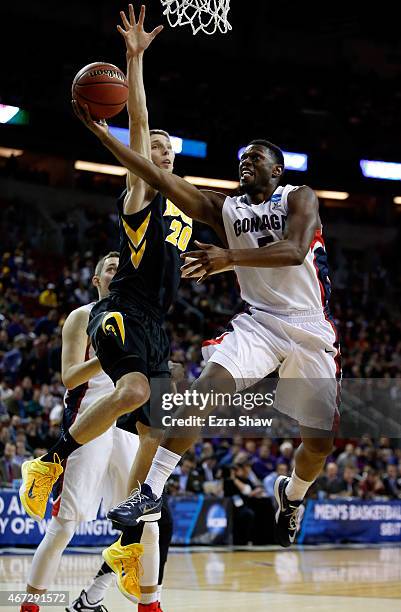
(125, 563)
(38, 478)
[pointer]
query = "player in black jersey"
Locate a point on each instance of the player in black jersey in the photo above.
(126, 328)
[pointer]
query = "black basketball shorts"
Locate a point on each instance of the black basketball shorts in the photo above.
(127, 339)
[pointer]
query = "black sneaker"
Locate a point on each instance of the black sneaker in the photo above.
(141, 505)
(81, 604)
(287, 515)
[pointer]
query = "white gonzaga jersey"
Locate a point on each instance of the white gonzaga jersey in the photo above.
(76, 400)
(286, 290)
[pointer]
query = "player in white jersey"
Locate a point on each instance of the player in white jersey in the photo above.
(275, 245)
(99, 470)
(274, 241)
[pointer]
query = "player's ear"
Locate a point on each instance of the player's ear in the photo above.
(277, 171)
(96, 281)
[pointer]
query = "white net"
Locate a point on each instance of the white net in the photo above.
(206, 16)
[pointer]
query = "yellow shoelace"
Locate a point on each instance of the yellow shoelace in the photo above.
(44, 482)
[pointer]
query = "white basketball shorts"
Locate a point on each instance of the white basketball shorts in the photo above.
(95, 471)
(303, 349)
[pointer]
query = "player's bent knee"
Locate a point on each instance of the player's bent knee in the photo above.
(131, 397)
(59, 532)
(319, 446)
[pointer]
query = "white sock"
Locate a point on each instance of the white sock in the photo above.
(148, 598)
(159, 592)
(96, 591)
(163, 464)
(297, 488)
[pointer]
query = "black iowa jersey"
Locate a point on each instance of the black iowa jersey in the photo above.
(151, 242)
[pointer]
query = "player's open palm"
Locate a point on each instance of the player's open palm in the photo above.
(99, 128)
(136, 39)
(209, 260)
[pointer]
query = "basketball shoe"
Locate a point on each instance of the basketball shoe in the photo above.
(287, 515)
(141, 505)
(81, 604)
(125, 563)
(38, 478)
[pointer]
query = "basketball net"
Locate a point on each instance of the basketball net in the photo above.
(206, 16)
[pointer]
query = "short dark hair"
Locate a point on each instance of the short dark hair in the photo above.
(100, 263)
(276, 152)
(161, 132)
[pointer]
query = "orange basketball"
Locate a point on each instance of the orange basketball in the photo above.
(103, 87)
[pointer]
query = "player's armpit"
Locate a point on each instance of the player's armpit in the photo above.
(75, 370)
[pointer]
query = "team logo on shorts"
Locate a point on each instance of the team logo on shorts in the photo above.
(113, 323)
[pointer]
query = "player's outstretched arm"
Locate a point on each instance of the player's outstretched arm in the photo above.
(137, 41)
(204, 206)
(75, 370)
(302, 223)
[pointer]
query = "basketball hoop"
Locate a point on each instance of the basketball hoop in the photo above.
(206, 16)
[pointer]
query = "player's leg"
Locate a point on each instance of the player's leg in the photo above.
(241, 356)
(165, 537)
(150, 563)
(146, 504)
(149, 441)
(126, 365)
(47, 557)
(245, 354)
(91, 597)
(309, 375)
(309, 461)
(126, 447)
(151, 596)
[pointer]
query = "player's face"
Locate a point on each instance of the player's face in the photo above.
(256, 169)
(162, 152)
(104, 279)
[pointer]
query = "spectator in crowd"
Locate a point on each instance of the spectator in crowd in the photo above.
(9, 470)
(241, 489)
(349, 483)
(209, 468)
(371, 485)
(15, 403)
(286, 453)
(347, 457)
(21, 455)
(269, 480)
(265, 461)
(330, 484)
(186, 479)
(47, 324)
(48, 297)
(392, 482)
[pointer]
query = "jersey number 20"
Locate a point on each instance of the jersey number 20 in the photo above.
(180, 234)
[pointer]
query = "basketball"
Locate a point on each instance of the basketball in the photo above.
(103, 87)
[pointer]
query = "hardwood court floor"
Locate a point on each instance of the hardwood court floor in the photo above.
(350, 580)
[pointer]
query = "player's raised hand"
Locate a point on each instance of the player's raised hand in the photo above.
(136, 39)
(209, 260)
(99, 128)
